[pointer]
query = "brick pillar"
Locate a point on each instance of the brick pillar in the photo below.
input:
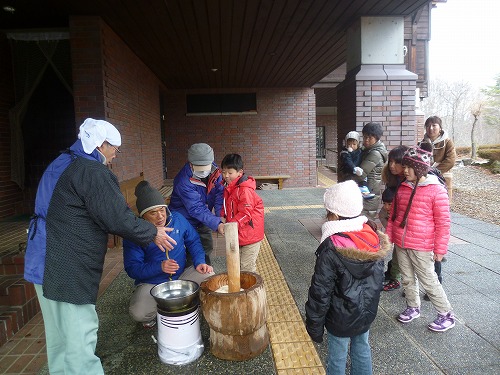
(377, 86)
(384, 94)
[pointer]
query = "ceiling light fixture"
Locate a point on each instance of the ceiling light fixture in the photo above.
(9, 9)
(214, 69)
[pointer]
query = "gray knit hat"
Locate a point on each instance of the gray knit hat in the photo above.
(201, 154)
(148, 198)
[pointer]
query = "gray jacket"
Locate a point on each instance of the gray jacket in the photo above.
(372, 161)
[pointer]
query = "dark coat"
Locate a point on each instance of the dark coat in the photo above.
(345, 289)
(347, 162)
(83, 204)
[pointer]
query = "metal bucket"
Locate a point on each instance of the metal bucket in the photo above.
(179, 336)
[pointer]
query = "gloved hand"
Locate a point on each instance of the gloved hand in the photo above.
(357, 171)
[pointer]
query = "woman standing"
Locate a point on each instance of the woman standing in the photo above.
(444, 153)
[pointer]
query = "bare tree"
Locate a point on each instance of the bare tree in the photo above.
(457, 98)
(452, 102)
(476, 111)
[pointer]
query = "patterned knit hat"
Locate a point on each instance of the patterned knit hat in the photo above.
(344, 199)
(148, 198)
(419, 160)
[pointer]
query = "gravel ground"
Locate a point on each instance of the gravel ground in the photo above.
(476, 193)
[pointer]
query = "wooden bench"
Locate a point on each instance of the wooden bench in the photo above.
(278, 177)
(128, 190)
(166, 192)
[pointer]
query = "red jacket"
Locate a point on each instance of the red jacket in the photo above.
(428, 224)
(243, 206)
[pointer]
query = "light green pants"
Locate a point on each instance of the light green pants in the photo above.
(418, 267)
(71, 336)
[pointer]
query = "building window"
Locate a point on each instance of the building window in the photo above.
(320, 142)
(221, 104)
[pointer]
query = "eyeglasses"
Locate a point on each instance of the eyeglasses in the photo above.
(116, 148)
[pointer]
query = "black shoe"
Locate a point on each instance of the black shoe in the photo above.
(426, 297)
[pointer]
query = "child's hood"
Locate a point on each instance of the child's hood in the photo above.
(243, 181)
(361, 263)
(440, 141)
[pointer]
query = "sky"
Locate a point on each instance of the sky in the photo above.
(465, 41)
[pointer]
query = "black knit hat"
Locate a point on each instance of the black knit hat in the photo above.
(147, 198)
(388, 194)
(373, 128)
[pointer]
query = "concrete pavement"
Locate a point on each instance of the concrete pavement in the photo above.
(293, 222)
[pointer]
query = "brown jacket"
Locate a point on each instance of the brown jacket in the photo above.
(444, 152)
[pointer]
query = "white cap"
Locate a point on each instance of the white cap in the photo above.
(94, 133)
(352, 135)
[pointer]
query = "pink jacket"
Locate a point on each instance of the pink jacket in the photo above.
(428, 224)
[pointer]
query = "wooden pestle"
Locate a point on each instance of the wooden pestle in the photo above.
(232, 256)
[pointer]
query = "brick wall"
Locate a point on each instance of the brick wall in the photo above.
(10, 194)
(280, 138)
(86, 56)
(112, 83)
(392, 103)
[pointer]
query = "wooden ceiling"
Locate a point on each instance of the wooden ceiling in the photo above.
(250, 43)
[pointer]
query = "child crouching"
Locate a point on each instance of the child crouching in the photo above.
(347, 281)
(419, 227)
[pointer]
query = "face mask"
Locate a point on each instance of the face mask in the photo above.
(201, 174)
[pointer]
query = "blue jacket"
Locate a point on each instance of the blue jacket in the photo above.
(195, 199)
(143, 263)
(34, 262)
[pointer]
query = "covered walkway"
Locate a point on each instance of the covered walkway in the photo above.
(286, 261)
